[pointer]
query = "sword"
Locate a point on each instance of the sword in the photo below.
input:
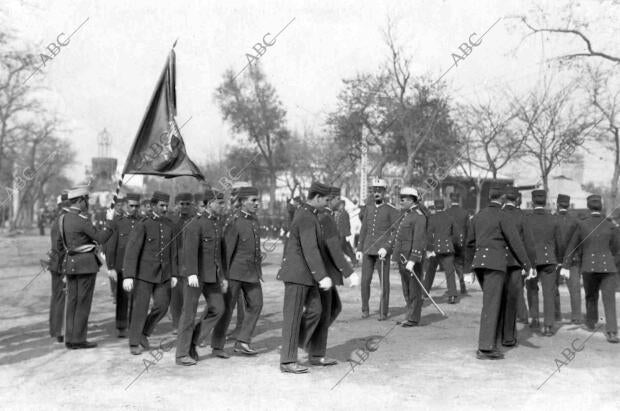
(381, 260)
(403, 260)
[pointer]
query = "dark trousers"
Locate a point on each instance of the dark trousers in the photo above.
(447, 262)
(522, 313)
(574, 290)
(240, 306)
(606, 283)
(412, 291)
(369, 263)
(57, 304)
(253, 294)
(141, 322)
(459, 266)
(176, 305)
(298, 324)
(347, 249)
(330, 309)
(123, 303)
(492, 283)
(80, 290)
(190, 334)
(546, 277)
(510, 305)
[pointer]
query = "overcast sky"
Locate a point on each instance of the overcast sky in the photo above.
(106, 74)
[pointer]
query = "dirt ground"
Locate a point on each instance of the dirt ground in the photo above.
(430, 367)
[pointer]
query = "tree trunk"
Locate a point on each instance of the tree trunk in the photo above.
(614, 180)
(272, 192)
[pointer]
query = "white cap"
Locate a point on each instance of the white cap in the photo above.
(378, 182)
(409, 191)
(241, 184)
(76, 192)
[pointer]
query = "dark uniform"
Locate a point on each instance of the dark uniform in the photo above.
(443, 234)
(302, 268)
(490, 232)
(57, 300)
(238, 305)
(461, 219)
(243, 262)
(410, 242)
(343, 222)
(80, 267)
(150, 259)
(568, 224)
(597, 240)
(202, 247)
(115, 256)
(547, 243)
(181, 222)
(378, 225)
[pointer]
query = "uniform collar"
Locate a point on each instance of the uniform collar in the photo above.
(595, 213)
(246, 214)
(310, 208)
(510, 206)
(74, 210)
(562, 211)
(495, 204)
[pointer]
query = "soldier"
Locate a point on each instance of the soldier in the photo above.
(443, 234)
(150, 267)
(336, 267)
(378, 224)
(461, 219)
(243, 262)
(200, 206)
(56, 257)
(181, 220)
(545, 231)
(522, 310)
(204, 274)
(343, 223)
(79, 238)
(568, 224)
(115, 255)
(513, 287)
(409, 246)
(596, 239)
(291, 207)
(491, 231)
(145, 208)
(304, 274)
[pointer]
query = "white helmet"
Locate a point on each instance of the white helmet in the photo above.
(378, 182)
(409, 191)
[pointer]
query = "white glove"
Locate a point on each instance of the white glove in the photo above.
(325, 283)
(382, 253)
(565, 272)
(354, 279)
(358, 256)
(192, 280)
(224, 285)
(473, 277)
(109, 214)
(128, 284)
(409, 265)
(430, 254)
(532, 274)
(112, 274)
(523, 272)
(173, 282)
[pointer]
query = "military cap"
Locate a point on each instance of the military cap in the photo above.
(495, 192)
(594, 202)
(160, 196)
(408, 191)
(378, 182)
(212, 195)
(76, 192)
(198, 197)
(245, 192)
(318, 188)
(183, 197)
(455, 197)
(241, 184)
(132, 197)
(512, 194)
(439, 204)
(539, 197)
(563, 200)
(121, 200)
(334, 191)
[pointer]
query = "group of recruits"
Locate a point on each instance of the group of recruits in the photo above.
(153, 257)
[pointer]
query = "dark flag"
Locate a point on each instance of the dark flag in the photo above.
(158, 148)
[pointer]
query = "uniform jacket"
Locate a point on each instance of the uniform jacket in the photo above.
(597, 239)
(343, 222)
(491, 231)
(568, 225)
(151, 251)
(116, 245)
(181, 223)
(302, 262)
(242, 248)
(443, 233)
(461, 220)
(517, 216)
(57, 251)
(545, 230)
(410, 236)
(79, 231)
(331, 250)
(378, 225)
(202, 249)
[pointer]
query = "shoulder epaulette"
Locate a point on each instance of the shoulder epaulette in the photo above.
(391, 205)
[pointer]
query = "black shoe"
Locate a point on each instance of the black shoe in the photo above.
(60, 339)
(121, 333)
(220, 353)
(365, 314)
(452, 300)
(186, 360)
(70, 346)
(489, 355)
(590, 325)
(84, 345)
(612, 337)
(293, 368)
(135, 349)
(382, 317)
(535, 323)
(512, 343)
(323, 361)
(408, 324)
(144, 342)
(193, 353)
(547, 331)
(575, 321)
(244, 348)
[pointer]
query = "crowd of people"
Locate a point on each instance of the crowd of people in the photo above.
(163, 262)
